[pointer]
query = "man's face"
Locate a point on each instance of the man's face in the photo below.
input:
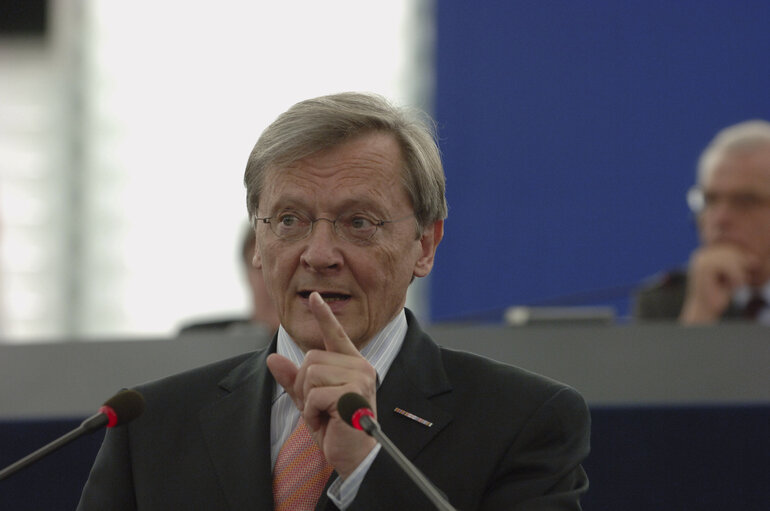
(737, 212)
(364, 283)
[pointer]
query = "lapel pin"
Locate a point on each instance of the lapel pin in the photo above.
(413, 417)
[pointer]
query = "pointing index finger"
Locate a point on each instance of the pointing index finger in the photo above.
(335, 338)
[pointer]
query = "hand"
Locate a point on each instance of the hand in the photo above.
(715, 273)
(321, 380)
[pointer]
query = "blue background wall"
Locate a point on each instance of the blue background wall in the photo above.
(570, 132)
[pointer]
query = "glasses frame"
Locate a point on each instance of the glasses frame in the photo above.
(696, 201)
(335, 226)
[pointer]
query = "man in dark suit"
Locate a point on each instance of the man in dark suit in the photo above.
(346, 193)
(729, 274)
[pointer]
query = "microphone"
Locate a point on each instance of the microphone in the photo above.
(120, 409)
(355, 410)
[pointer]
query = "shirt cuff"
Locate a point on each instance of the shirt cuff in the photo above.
(342, 493)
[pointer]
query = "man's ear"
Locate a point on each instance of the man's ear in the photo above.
(256, 261)
(429, 241)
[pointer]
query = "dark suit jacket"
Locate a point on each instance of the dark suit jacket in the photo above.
(502, 438)
(662, 298)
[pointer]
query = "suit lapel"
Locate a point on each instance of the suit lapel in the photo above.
(416, 377)
(237, 426)
(237, 432)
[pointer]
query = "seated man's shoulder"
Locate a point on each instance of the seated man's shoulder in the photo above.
(661, 296)
(213, 325)
(669, 280)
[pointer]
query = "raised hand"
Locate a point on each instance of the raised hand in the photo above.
(323, 377)
(715, 272)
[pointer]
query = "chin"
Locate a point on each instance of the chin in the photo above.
(306, 335)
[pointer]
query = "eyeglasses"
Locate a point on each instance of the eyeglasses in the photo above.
(700, 201)
(352, 227)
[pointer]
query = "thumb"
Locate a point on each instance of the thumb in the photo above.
(285, 372)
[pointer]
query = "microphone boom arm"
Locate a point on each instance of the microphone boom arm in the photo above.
(85, 427)
(372, 428)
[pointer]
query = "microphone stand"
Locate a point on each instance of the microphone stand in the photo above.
(90, 424)
(373, 429)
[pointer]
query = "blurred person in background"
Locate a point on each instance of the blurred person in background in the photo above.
(728, 276)
(263, 317)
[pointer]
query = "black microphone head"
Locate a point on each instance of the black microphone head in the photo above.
(127, 404)
(349, 404)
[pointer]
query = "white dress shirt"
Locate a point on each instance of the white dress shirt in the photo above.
(380, 352)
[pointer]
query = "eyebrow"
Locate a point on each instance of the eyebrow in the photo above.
(292, 202)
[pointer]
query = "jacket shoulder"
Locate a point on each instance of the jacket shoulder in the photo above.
(661, 296)
(198, 384)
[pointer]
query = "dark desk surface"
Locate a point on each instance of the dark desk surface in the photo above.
(610, 365)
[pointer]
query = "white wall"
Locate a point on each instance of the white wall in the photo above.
(162, 103)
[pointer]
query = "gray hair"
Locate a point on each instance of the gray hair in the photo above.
(744, 136)
(327, 121)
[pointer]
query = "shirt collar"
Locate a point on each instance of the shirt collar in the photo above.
(743, 294)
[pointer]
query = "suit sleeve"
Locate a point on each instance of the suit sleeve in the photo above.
(109, 485)
(542, 469)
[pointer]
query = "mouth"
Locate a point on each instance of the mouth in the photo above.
(328, 297)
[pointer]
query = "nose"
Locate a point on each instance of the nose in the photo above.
(321, 252)
(718, 218)
(723, 209)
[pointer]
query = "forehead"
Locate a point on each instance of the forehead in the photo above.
(746, 170)
(365, 169)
